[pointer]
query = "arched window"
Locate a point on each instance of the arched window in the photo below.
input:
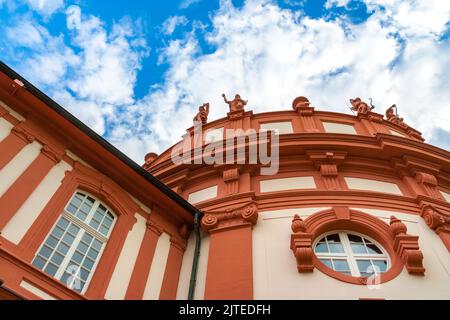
(74, 245)
(351, 254)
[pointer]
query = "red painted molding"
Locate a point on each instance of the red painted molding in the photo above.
(247, 214)
(407, 247)
(172, 272)
(13, 143)
(141, 270)
(402, 249)
(439, 222)
(22, 188)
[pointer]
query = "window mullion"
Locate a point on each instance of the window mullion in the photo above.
(350, 258)
(69, 254)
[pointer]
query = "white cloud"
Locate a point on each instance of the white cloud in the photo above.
(171, 23)
(267, 54)
(45, 7)
(270, 56)
(187, 3)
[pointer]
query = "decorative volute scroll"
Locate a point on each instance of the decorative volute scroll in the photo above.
(438, 221)
(244, 215)
(301, 245)
(407, 247)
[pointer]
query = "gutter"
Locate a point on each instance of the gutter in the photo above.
(97, 138)
(198, 240)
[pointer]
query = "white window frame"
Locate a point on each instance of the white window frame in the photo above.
(86, 228)
(348, 254)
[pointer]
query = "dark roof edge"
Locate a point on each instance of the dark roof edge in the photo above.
(97, 138)
(8, 290)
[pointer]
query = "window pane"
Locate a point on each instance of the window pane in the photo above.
(71, 208)
(87, 238)
(51, 242)
(333, 238)
(97, 244)
(94, 224)
(57, 232)
(63, 248)
(84, 274)
(81, 215)
(364, 266)
(51, 269)
(45, 251)
(63, 223)
(358, 248)
(77, 257)
(73, 229)
(108, 221)
(103, 230)
(327, 262)
(373, 249)
(354, 238)
(340, 265)
(82, 247)
(93, 254)
(381, 264)
(38, 262)
(68, 238)
(57, 258)
(336, 247)
(88, 263)
(76, 201)
(321, 247)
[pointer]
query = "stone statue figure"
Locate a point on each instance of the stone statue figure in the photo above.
(236, 104)
(360, 106)
(202, 114)
(393, 117)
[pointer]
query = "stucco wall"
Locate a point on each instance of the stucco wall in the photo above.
(5, 128)
(276, 276)
(32, 207)
(118, 284)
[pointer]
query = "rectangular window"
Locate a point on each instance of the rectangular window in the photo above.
(291, 183)
(202, 195)
(334, 127)
(278, 127)
(372, 185)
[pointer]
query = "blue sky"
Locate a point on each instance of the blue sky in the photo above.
(135, 71)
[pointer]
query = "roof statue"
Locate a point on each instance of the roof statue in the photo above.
(236, 104)
(360, 106)
(202, 114)
(393, 117)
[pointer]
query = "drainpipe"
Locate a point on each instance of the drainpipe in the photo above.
(198, 240)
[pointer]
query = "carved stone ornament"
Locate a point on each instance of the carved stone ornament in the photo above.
(247, 214)
(301, 245)
(407, 247)
(393, 117)
(439, 222)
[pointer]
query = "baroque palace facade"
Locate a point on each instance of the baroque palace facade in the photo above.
(359, 208)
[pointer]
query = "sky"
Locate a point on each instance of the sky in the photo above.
(136, 71)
